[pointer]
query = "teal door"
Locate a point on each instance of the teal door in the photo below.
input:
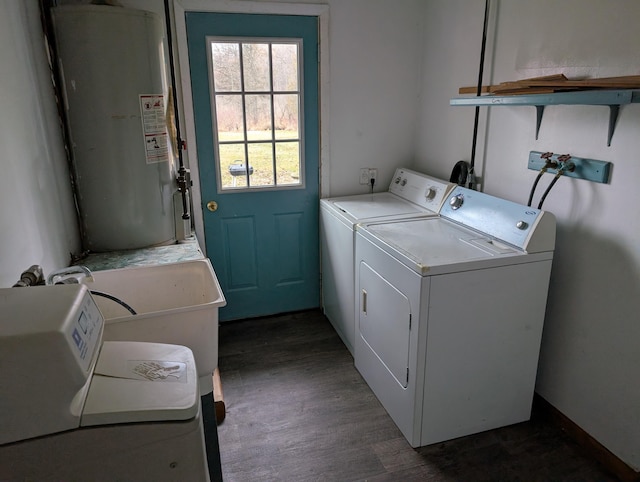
(254, 82)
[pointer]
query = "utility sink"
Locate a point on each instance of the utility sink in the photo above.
(176, 303)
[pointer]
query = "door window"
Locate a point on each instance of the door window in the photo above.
(257, 113)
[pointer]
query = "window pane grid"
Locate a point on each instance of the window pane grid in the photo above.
(247, 174)
(276, 141)
(273, 124)
(270, 118)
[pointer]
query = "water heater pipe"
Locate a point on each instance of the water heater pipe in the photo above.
(183, 178)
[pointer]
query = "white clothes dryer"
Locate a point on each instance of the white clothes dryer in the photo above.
(450, 314)
(410, 194)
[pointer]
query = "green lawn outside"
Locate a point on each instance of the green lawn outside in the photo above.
(260, 158)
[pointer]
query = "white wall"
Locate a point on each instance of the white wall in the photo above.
(590, 361)
(375, 65)
(37, 217)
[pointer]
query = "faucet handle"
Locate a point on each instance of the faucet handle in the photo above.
(69, 280)
(66, 275)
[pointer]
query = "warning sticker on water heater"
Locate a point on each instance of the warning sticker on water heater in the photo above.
(154, 126)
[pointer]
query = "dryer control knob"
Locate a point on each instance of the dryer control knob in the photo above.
(404, 182)
(522, 225)
(431, 193)
(397, 181)
(456, 201)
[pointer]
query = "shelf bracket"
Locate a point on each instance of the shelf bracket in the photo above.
(539, 113)
(613, 118)
(610, 98)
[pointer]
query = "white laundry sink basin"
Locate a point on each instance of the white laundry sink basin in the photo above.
(175, 303)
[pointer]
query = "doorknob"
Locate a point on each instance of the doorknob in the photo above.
(212, 206)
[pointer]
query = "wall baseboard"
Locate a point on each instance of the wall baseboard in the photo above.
(593, 448)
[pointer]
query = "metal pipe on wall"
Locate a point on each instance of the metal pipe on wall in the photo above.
(184, 181)
(472, 161)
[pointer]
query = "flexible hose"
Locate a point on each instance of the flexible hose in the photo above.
(535, 185)
(548, 190)
(549, 163)
(117, 300)
(459, 173)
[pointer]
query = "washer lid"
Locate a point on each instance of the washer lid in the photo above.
(436, 245)
(142, 382)
(376, 205)
(410, 194)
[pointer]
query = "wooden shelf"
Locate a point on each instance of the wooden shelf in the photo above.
(610, 98)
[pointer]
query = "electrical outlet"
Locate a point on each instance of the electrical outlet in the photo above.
(364, 175)
(373, 174)
(589, 169)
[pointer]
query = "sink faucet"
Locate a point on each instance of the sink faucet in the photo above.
(58, 276)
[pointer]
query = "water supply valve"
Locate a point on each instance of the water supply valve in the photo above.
(30, 277)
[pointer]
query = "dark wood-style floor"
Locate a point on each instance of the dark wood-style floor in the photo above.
(298, 410)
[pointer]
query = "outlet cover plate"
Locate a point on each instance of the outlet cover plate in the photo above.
(364, 175)
(589, 169)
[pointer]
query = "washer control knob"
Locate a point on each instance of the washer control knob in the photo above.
(431, 193)
(456, 201)
(522, 225)
(397, 181)
(404, 182)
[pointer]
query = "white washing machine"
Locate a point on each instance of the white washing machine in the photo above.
(410, 194)
(74, 408)
(450, 314)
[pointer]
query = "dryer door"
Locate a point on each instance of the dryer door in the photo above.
(385, 322)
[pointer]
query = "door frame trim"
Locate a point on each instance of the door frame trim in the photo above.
(185, 98)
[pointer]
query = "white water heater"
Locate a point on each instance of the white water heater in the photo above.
(112, 66)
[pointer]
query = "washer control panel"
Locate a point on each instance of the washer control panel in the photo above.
(420, 189)
(498, 218)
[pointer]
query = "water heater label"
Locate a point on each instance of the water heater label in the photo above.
(154, 127)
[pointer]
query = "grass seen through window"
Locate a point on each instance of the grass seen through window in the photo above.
(260, 158)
